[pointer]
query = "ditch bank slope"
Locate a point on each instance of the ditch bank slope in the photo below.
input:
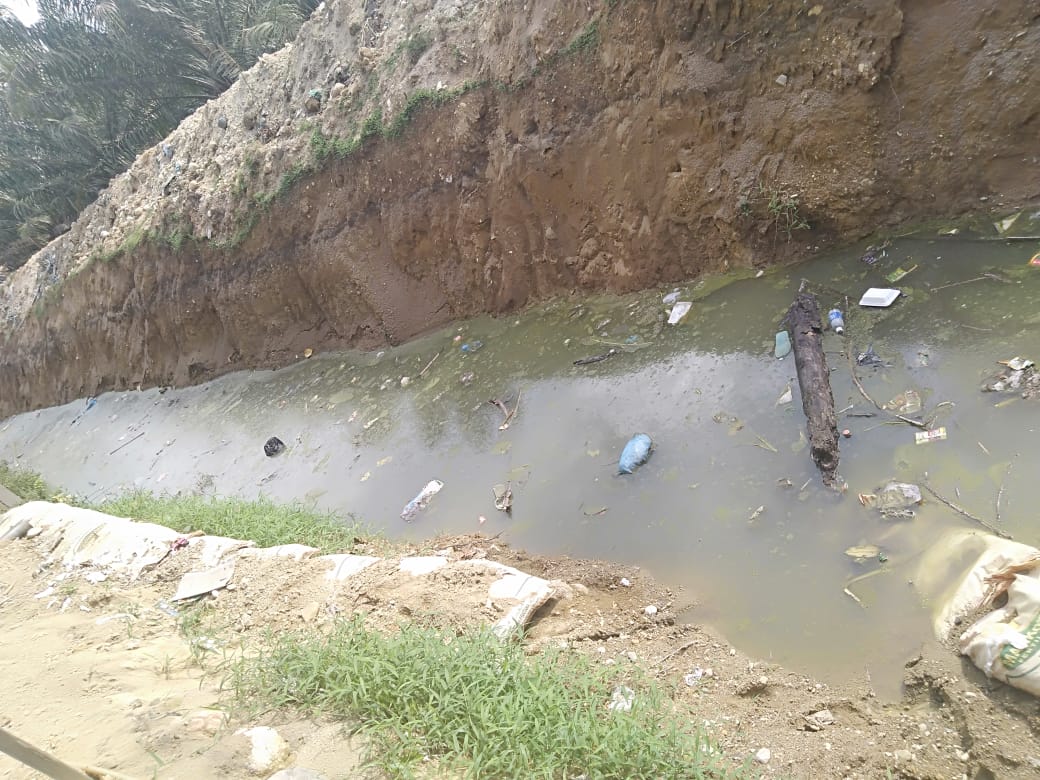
(402, 166)
(102, 665)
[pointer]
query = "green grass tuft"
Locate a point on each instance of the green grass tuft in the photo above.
(373, 125)
(261, 521)
(415, 45)
(28, 485)
(474, 706)
(296, 173)
(586, 40)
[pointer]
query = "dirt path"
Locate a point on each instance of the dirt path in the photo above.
(99, 672)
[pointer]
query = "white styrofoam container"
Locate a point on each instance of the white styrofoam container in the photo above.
(879, 296)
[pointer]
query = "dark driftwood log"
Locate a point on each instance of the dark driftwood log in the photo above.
(803, 323)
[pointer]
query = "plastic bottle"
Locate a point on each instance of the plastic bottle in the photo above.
(472, 346)
(837, 323)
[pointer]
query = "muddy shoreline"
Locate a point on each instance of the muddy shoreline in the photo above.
(949, 723)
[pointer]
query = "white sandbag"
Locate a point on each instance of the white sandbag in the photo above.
(966, 559)
(77, 537)
(1005, 643)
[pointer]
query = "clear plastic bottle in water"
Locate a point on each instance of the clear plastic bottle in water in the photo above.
(836, 321)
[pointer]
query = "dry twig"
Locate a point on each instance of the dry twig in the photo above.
(1000, 493)
(676, 651)
(427, 368)
(964, 512)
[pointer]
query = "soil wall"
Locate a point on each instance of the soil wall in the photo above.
(542, 148)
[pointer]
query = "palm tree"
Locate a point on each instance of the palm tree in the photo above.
(94, 82)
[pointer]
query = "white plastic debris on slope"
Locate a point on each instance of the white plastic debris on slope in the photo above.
(78, 537)
(419, 565)
(532, 593)
(1005, 642)
(345, 565)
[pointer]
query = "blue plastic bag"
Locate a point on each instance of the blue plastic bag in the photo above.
(635, 454)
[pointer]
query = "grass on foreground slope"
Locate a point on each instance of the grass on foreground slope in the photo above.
(260, 520)
(470, 705)
(27, 485)
(431, 702)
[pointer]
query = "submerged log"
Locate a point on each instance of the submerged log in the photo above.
(803, 323)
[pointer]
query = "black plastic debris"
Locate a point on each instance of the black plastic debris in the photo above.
(869, 358)
(273, 446)
(595, 358)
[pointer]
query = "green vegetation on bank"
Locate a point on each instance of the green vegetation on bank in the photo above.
(423, 698)
(27, 485)
(260, 520)
(323, 147)
(475, 706)
(91, 85)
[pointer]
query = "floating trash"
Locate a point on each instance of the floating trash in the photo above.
(863, 551)
(680, 310)
(420, 502)
(923, 437)
(899, 273)
(907, 402)
(635, 454)
(879, 297)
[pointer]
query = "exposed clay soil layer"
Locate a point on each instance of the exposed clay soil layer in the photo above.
(610, 146)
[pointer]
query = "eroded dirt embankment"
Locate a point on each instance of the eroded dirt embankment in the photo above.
(605, 147)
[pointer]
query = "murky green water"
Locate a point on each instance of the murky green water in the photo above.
(706, 390)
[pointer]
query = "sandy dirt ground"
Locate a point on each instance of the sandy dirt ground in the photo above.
(101, 674)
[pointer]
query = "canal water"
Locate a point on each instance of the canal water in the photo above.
(729, 508)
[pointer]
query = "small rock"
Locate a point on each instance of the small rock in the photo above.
(222, 123)
(818, 720)
(762, 755)
(650, 611)
(309, 612)
(269, 750)
(313, 105)
(297, 773)
(405, 381)
(337, 90)
(903, 755)
(782, 79)
(625, 582)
